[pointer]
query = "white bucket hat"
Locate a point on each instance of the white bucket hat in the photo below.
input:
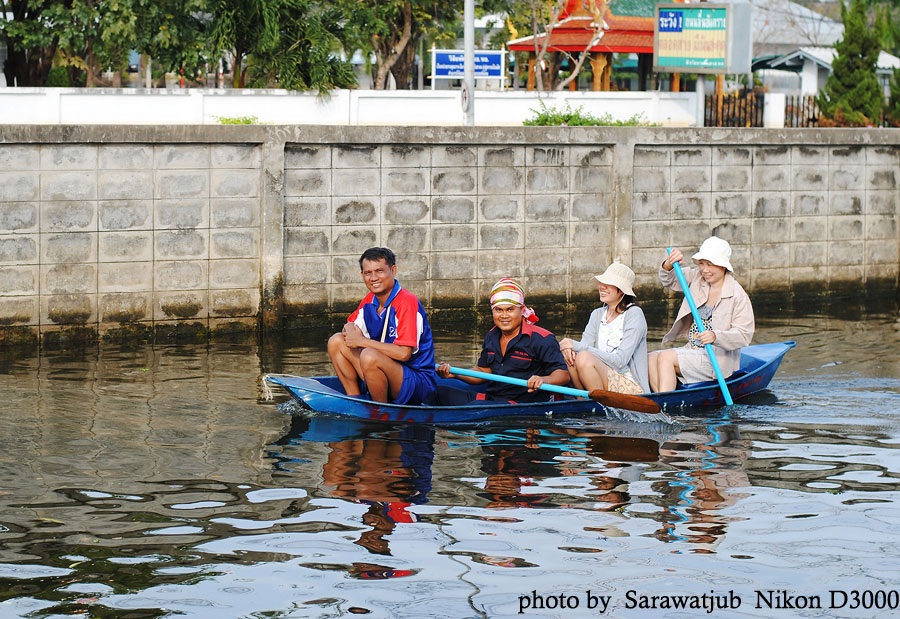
(715, 250)
(618, 275)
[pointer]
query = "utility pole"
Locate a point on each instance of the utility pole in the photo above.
(468, 94)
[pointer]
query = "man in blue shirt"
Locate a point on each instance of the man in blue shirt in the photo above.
(386, 342)
(514, 347)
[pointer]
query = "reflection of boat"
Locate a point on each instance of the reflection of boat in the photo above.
(323, 394)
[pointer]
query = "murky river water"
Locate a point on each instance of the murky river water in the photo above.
(155, 481)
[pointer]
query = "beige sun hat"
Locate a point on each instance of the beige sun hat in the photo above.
(717, 251)
(618, 275)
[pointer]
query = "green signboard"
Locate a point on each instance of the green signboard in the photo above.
(702, 38)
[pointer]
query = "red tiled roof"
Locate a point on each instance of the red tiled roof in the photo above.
(620, 42)
(624, 34)
(613, 22)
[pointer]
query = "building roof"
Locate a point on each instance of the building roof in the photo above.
(577, 30)
(782, 22)
(824, 57)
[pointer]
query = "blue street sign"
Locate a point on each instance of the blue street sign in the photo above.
(448, 64)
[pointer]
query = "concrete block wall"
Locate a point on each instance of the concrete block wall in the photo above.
(105, 227)
(459, 217)
(102, 235)
(799, 217)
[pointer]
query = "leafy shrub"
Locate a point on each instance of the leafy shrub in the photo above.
(58, 77)
(237, 120)
(553, 117)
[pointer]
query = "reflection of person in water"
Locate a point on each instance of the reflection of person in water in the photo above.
(389, 473)
(510, 468)
(618, 452)
(711, 467)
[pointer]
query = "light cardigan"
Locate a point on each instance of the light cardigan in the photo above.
(732, 317)
(632, 351)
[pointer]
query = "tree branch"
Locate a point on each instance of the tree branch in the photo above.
(555, 12)
(599, 16)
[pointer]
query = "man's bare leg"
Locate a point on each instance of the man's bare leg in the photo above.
(383, 375)
(346, 363)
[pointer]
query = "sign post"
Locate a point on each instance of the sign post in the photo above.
(469, 64)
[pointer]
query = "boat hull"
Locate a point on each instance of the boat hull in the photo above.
(324, 395)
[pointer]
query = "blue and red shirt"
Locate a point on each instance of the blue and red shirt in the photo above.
(407, 325)
(534, 351)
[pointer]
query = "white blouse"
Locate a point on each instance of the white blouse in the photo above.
(609, 336)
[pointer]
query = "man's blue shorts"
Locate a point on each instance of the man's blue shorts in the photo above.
(416, 386)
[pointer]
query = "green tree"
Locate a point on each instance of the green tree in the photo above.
(308, 54)
(173, 33)
(390, 30)
(892, 112)
(95, 35)
(28, 29)
(295, 44)
(852, 95)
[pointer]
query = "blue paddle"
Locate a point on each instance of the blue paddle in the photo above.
(700, 329)
(607, 398)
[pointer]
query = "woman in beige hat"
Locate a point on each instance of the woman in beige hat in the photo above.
(726, 312)
(612, 352)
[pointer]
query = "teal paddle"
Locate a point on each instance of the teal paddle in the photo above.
(607, 398)
(700, 329)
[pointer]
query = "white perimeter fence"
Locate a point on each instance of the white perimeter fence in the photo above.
(130, 106)
(341, 107)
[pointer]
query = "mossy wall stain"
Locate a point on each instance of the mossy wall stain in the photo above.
(129, 332)
(13, 319)
(63, 316)
(69, 337)
(124, 315)
(272, 304)
(24, 337)
(180, 308)
(181, 332)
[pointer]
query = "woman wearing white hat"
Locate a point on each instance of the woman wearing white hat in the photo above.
(726, 312)
(612, 353)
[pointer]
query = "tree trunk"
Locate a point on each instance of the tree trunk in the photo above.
(553, 67)
(92, 73)
(388, 57)
(402, 69)
(29, 67)
(237, 77)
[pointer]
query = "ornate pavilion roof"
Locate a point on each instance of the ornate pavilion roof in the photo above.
(627, 28)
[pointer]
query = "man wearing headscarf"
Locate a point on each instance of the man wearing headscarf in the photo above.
(514, 347)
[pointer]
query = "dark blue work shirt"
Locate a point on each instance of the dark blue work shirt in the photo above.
(534, 351)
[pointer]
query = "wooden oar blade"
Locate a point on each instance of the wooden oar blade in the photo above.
(629, 402)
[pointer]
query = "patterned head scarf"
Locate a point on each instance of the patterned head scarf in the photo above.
(508, 292)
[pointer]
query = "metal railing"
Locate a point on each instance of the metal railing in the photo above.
(743, 108)
(801, 111)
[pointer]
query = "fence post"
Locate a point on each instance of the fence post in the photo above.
(773, 110)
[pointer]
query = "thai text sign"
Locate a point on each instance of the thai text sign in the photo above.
(702, 38)
(448, 64)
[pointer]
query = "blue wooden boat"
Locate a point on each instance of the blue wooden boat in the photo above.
(325, 395)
